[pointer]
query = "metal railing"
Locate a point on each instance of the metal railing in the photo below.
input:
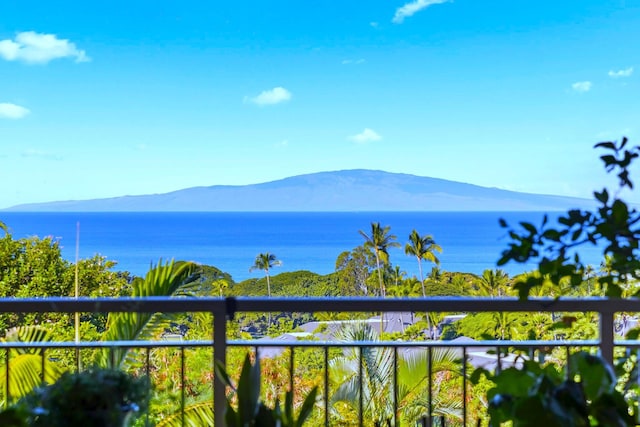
(224, 309)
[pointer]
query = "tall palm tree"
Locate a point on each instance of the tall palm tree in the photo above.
(266, 261)
(380, 241)
(423, 248)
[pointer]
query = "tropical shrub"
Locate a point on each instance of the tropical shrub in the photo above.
(251, 410)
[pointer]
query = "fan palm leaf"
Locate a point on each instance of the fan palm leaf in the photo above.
(377, 380)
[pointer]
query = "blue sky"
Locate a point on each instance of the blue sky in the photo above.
(101, 99)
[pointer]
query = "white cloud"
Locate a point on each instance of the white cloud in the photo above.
(33, 152)
(367, 135)
(409, 9)
(35, 48)
(582, 86)
(353, 61)
(12, 111)
(270, 97)
(621, 73)
(374, 24)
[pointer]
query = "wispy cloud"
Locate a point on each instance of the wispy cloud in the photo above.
(374, 24)
(367, 135)
(353, 61)
(12, 111)
(582, 86)
(614, 135)
(409, 9)
(33, 152)
(621, 73)
(36, 48)
(270, 97)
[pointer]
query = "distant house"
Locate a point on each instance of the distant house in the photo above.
(478, 356)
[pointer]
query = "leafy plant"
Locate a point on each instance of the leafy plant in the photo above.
(96, 397)
(251, 411)
(614, 225)
(540, 395)
(589, 394)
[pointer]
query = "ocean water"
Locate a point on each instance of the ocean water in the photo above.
(471, 241)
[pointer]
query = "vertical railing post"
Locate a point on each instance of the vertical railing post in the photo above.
(606, 336)
(220, 354)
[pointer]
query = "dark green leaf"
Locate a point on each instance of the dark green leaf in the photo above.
(608, 145)
(307, 406)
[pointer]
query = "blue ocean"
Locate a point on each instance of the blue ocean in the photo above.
(471, 241)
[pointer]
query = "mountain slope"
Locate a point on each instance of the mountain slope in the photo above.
(348, 190)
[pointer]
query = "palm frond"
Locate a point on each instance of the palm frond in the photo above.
(26, 364)
(171, 279)
(195, 415)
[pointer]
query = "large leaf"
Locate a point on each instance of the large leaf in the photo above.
(171, 279)
(195, 415)
(596, 375)
(249, 389)
(25, 364)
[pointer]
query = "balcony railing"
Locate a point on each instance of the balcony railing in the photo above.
(224, 309)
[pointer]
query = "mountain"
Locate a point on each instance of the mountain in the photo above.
(347, 190)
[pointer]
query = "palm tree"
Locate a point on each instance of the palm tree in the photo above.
(423, 248)
(376, 364)
(220, 285)
(380, 241)
(493, 283)
(266, 261)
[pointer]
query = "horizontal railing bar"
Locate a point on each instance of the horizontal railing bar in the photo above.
(112, 305)
(310, 305)
(319, 344)
(403, 344)
(105, 344)
(436, 304)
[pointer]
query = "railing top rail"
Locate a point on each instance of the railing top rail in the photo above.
(275, 343)
(306, 304)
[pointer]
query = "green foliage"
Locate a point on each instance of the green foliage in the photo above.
(34, 267)
(95, 397)
(27, 364)
(538, 395)
(589, 394)
(614, 225)
(196, 415)
(14, 417)
(170, 279)
(353, 268)
(251, 411)
(371, 371)
(294, 283)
